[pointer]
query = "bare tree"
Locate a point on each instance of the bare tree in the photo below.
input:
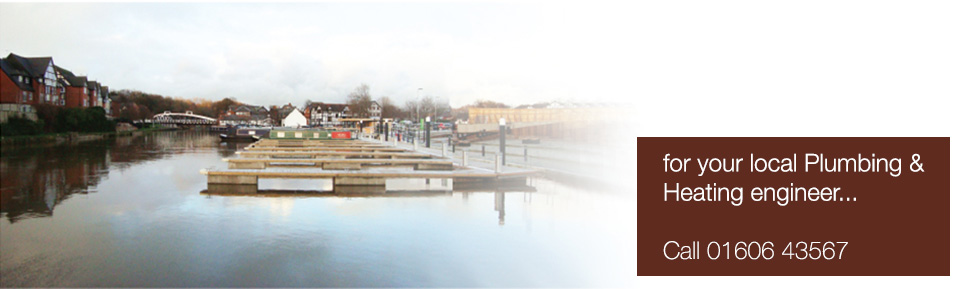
(427, 107)
(488, 104)
(442, 107)
(359, 101)
(411, 108)
(434, 107)
(388, 109)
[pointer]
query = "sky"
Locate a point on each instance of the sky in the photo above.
(272, 54)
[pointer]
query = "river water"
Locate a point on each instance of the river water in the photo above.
(132, 212)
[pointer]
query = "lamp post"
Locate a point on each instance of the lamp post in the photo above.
(428, 132)
(418, 110)
(418, 103)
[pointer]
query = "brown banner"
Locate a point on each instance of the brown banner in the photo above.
(793, 206)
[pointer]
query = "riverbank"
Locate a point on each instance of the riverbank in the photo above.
(69, 137)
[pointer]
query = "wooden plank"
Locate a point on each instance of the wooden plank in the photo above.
(311, 149)
(353, 161)
(345, 154)
(398, 174)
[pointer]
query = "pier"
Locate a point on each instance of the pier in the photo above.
(354, 166)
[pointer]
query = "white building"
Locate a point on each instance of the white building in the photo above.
(375, 110)
(328, 114)
(295, 119)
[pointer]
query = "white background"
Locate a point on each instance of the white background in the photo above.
(797, 68)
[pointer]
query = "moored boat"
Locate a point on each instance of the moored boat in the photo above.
(245, 134)
(310, 134)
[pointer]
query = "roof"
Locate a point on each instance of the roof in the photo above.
(235, 117)
(13, 69)
(246, 107)
(313, 105)
(72, 79)
(334, 107)
(34, 66)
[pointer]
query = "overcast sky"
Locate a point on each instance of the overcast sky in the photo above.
(277, 53)
(718, 62)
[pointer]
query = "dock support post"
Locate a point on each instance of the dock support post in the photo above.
(247, 165)
(231, 189)
(232, 179)
(464, 158)
(443, 150)
(429, 128)
(524, 153)
(359, 181)
(503, 140)
(340, 166)
(496, 165)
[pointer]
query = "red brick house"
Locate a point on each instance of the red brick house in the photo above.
(77, 93)
(29, 81)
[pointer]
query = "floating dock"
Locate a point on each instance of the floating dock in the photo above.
(354, 166)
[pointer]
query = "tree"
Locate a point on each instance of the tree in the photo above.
(274, 114)
(223, 105)
(359, 101)
(464, 111)
(427, 106)
(441, 107)
(434, 107)
(411, 109)
(488, 104)
(388, 109)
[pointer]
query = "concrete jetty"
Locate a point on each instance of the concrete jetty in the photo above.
(354, 166)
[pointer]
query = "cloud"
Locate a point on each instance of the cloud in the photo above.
(274, 54)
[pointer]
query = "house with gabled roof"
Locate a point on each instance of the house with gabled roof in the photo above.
(327, 114)
(93, 93)
(242, 114)
(39, 74)
(27, 81)
(295, 119)
(77, 88)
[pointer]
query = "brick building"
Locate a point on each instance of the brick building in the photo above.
(30, 81)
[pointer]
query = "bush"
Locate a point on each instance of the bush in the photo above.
(16, 126)
(93, 119)
(58, 119)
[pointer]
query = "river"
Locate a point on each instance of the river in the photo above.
(132, 212)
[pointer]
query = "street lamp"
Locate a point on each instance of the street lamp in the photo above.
(428, 132)
(418, 110)
(418, 103)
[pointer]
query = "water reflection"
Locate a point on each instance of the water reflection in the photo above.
(149, 222)
(224, 190)
(37, 179)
